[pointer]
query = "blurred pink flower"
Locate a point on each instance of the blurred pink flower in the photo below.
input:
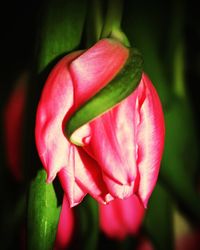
(145, 244)
(121, 218)
(13, 126)
(190, 240)
(121, 150)
(65, 226)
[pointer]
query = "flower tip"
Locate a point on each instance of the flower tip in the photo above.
(50, 178)
(144, 202)
(73, 204)
(108, 199)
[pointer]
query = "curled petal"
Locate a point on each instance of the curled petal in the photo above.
(150, 137)
(95, 68)
(55, 102)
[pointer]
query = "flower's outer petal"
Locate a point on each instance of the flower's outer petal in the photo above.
(96, 67)
(74, 193)
(55, 102)
(150, 137)
(121, 218)
(113, 144)
(87, 178)
(65, 226)
(127, 142)
(88, 175)
(13, 125)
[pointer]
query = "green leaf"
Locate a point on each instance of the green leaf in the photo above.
(43, 214)
(61, 29)
(180, 159)
(119, 88)
(158, 219)
(146, 34)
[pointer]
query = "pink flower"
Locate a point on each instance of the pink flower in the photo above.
(121, 149)
(121, 218)
(65, 226)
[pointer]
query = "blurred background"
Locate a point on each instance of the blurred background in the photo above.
(168, 35)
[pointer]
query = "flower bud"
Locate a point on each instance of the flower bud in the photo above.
(120, 131)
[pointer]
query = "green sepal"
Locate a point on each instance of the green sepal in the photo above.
(43, 214)
(122, 85)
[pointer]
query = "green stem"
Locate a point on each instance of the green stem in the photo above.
(112, 25)
(113, 17)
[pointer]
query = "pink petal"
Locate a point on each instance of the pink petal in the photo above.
(88, 175)
(74, 193)
(113, 144)
(65, 226)
(96, 67)
(87, 179)
(150, 137)
(132, 213)
(55, 102)
(124, 217)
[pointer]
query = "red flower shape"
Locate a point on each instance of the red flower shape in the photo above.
(121, 149)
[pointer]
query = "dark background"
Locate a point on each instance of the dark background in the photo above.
(19, 24)
(19, 21)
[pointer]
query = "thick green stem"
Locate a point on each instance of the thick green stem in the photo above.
(112, 24)
(113, 17)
